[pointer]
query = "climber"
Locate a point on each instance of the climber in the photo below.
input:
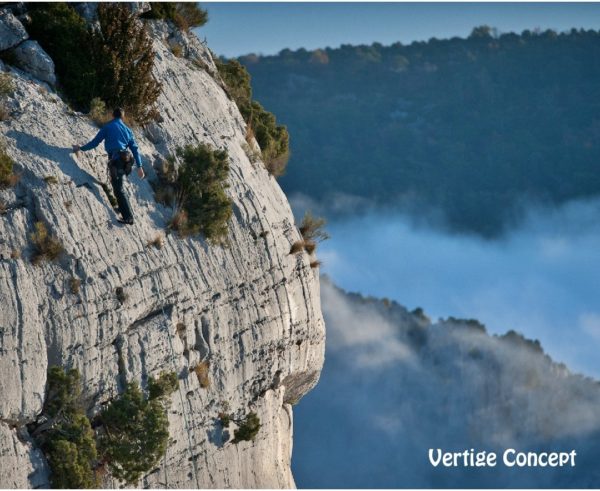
(118, 138)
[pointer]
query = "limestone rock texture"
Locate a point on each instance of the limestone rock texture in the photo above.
(12, 31)
(249, 311)
(32, 58)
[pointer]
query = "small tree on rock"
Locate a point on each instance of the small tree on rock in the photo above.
(124, 60)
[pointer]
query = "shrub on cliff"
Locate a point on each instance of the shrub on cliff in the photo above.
(273, 139)
(69, 443)
(124, 62)
(248, 428)
(113, 62)
(197, 189)
(135, 429)
(65, 37)
(185, 15)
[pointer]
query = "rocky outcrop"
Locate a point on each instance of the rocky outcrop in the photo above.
(248, 310)
(30, 56)
(12, 31)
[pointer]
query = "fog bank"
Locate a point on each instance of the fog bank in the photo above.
(542, 279)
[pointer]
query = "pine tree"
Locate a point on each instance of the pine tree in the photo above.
(125, 60)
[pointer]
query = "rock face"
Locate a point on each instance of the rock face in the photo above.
(32, 58)
(12, 31)
(250, 310)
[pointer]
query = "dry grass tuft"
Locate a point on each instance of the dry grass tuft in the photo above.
(310, 247)
(312, 228)
(315, 264)
(297, 247)
(180, 224)
(157, 242)
(177, 50)
(4, 112)
(7, 84)
(45, 246)
(74, 285)
(51, 180)
(15, 254)
(201, 371)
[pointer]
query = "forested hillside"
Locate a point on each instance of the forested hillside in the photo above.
(476, 127)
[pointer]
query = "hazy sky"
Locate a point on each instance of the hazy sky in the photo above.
(240, 28)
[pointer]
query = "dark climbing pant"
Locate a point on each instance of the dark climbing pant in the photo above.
(117, 175)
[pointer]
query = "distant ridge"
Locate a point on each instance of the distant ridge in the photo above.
(476, 127)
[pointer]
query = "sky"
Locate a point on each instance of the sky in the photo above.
(236, 28)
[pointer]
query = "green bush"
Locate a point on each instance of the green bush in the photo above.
(185, 15)
(199, 189)
(64, 35)
(202, 180)
(163, 386)
(124, 62)
(135, 433)
(133, 437)
(273, 139)
(248, 428)
(69, 444)
(112, 62)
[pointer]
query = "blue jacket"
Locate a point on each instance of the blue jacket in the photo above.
(117, 136)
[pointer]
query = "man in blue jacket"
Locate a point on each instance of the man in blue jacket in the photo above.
(118, 138)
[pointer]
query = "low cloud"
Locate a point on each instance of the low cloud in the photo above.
(354, 327)
(539, 279)
(383, 401)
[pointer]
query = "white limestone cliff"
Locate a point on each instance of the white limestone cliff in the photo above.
(250, 310)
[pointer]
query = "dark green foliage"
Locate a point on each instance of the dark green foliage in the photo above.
(69, 443)
(163, 386)
(64, 391)
(64, 36)
(273, 139)
(201, 184)
(113, 63)
(248, 428)
(185, 15)
(237, 80)
(124, 62)
(468, 126)
(135, 434)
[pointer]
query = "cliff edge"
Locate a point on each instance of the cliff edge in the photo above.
(249, 311)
